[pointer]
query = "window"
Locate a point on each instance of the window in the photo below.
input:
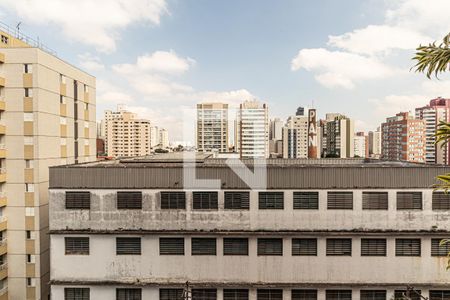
(413, 295)
(63, 142)
(373, 247)
(205, 200)
(28, 140)
(237, 200)
(439, 250)
(129, 200)
(270, 246)
(409, 200)
(306, 200)
(339, 247)
(170, 294)
(271, 200)
(203, 246)
(62, 78)
(440, 295)
(338, 295)
(4, 39)
(128, 246)
(29, 211)
(204, 294)
(62, 120)
(77, 245)
(78, 200)
(441, 200)
(29, 187)
(340, 200)
(28, 92)
(128, 294)
(304, 295)
(269, 294)
(235, 294)
(375, 200)
(173, 200)
(31, 282)
(235, 246)
(304, 247)
(62, 100)
(28, 164)
(76, 293)
(407, 247)
(372, 295)
(31, 259)
(28, 68)
(30, 235)
(171, 246)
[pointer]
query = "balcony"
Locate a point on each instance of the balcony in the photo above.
(29, 175)
(27, 80)
(86, 97)
(2, 174)
(2, 104)
(2, 81)
(28, 151)
(3, 271)
(63, 109)
(62, 89)
(27, 104)
(2, 128)
(3, 247)
(3, 199)
(3, 223)
(4, 293)
(2, 151)
(2, 58)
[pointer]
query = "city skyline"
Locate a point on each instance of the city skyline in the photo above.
(167, 57)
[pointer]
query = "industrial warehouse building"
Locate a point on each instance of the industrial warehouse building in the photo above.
(320, 229)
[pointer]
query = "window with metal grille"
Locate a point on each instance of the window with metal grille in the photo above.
(77, 293)
(173, 200)
(269, 294)
(304, 295)
(204, 246)
(170, 294)
(77, 245)
(304, 247)
(306, 200)
(129, 200)
(439, 250)
(373, 247)
(237, 200)
(235, 294)
(409, 200)
(372, 295)
(270, 246)
(128, 246)
(78, 200)
(128, 294)
(235, 246)
(340, 200)
(205, 200)
(271, 200)
(375, 200)
(338, 295)
(440, 295)
(171, 246)
(407, 247)
(403, 294)
(204, 294)
(339, 247)
(441, 200)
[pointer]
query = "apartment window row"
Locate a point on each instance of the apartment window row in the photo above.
(261, 294)
(208, 200)
(265, 246)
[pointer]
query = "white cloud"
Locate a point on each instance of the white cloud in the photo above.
(90, 62)
(234, 98)
(96, 23)
(108, 93)
(338, 68)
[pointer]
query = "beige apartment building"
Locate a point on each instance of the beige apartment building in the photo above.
(125, 134)
(212, 127)
(47, 118)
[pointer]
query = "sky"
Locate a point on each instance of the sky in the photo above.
(161, 57)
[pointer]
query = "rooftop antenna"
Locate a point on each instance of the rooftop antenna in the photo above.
(18, 29)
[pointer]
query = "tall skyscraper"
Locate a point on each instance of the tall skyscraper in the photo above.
(47, 118)
(361, 145)
(164, 138)
(252, 130)
(295, 137)
(125, 134)
(339, 132)
(403, 138)
(438, 110)
(276, 129)
(212, 127)
(375, 143)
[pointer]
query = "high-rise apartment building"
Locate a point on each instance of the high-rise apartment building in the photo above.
(375, 143)
(47, 118)
(212, 127)
(319, 230)
(361, 145)
(438, 110)
(339, 132)
(295, 137)
(403, 138)
(252, 130)
(276, 137)
(125, 134)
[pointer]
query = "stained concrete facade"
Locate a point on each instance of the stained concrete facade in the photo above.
(150, 271)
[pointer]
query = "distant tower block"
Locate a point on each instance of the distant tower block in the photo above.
(300, 111)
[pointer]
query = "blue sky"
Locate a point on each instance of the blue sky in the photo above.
(160, 56)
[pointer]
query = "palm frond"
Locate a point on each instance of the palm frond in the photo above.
(433, 59)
